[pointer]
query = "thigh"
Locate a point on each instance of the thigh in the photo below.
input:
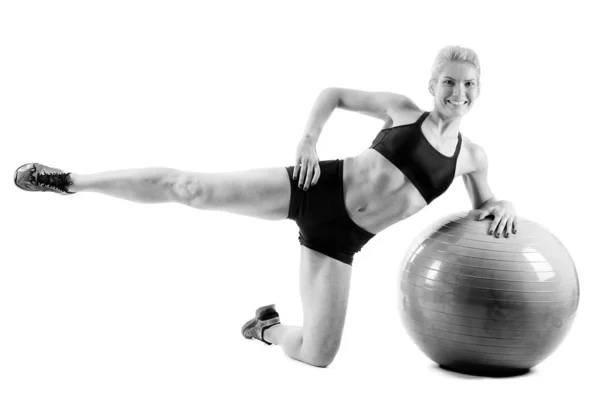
(262, 193)
(324, 287)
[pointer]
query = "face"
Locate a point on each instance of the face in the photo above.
(456, 89)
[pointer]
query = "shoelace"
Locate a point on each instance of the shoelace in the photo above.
(53, 180)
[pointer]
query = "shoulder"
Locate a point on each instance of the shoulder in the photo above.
(401, 102)
(398, 105)
(404, 111)
(476, 157)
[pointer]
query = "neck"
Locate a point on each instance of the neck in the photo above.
(443, 125)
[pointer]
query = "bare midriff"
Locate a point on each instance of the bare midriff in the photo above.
(376, 193)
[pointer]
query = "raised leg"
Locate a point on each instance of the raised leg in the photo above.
(324, 288)
(262, 193)
(142, 185)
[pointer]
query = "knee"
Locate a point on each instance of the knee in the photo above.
(323, 356)
(188, 189)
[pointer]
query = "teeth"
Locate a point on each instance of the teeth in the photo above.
(457, 103)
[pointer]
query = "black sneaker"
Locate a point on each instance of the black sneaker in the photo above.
(35, 177)
(265, 318)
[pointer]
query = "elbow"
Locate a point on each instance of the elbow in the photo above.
(332, 95)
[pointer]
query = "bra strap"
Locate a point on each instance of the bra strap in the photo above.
(422, 118)
(458, 145)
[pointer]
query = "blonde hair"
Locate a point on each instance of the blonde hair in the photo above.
(453, 53)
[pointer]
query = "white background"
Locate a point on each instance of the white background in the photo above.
(102, 298)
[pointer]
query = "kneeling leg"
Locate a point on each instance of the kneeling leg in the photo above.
(324, 288)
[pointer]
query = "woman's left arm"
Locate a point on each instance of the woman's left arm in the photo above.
(483, 200)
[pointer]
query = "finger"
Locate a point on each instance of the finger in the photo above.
(487, 212)
(494, 225)
(317, 175)
(309, 177)
(501, 226)
(483, 214)
(510, 226)
(296, 170)
(302, 174)
(514, 227)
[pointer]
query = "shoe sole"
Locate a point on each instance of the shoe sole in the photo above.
(253, 321)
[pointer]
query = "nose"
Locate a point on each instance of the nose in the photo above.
(459, 90)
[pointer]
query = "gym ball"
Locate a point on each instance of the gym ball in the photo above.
(483, 305)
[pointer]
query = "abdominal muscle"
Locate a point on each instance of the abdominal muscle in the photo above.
(376, 193)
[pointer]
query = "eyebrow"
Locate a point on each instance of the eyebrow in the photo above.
(468, 80)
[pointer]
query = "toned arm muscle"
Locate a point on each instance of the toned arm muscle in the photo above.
(476, 182)
(482, 198)
(373, 104)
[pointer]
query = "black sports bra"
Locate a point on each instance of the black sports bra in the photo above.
(406, 147)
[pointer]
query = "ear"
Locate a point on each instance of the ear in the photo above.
(432, 83)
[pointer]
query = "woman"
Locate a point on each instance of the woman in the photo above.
(339, 205)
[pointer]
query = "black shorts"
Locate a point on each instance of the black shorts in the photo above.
(321, 215)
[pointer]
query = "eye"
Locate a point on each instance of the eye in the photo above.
(448, 82)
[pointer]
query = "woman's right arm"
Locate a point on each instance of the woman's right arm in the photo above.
(375, 104)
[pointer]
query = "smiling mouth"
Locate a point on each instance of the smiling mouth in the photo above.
(457, 103)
